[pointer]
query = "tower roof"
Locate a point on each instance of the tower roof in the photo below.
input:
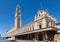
(17, 12)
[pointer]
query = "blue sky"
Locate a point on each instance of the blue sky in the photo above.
(29, 9)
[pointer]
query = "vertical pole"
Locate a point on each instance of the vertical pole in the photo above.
(41, 4)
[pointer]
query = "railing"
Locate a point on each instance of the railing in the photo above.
(28, 41)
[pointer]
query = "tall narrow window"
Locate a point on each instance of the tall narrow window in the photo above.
(40, 26)
(26, 30)
(30, 28)
(47, 24)
(33, 27)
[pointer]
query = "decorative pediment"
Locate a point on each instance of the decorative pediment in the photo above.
(42, 12)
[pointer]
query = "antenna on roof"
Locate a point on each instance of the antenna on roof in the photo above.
(18, 1)
(41, 4)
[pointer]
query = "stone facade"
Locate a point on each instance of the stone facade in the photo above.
(43, 24)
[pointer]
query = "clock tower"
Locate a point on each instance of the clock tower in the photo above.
(17, 17)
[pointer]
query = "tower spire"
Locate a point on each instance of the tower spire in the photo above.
(18, 17)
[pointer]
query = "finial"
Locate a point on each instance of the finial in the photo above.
(18, 5)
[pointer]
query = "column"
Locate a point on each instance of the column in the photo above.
(36, 36)
(46, 36)
(43, 36)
